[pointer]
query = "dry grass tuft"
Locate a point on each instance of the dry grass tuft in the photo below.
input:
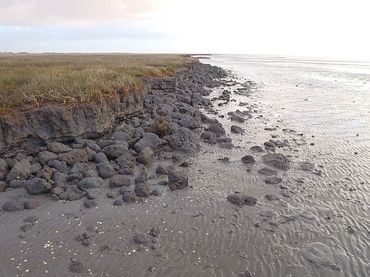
(70, 79)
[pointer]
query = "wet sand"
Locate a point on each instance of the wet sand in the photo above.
(315, 222)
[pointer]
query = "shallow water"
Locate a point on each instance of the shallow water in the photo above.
(320, 226)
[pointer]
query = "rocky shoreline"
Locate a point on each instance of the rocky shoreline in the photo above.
(145, 152)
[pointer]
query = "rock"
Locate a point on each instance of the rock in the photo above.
(31, 219)
(90, 182)
(161, 127)
(120, 136)
(140, 239)
(20, 171)
(209, 137)
(183, 139)
(74, 195)
(3, 166)
(92, 193)
(74, 156)
(306, 166)
(57, 190)
(58, 165)
(149, 140)
(177, 180)
(276, 160)
(236, 130)
(269, 145)
(129, 197)
(273, 180)
(2, 186)
(161, 169)
(101, 158)
(106, 170)
(226, 145)
(241, 200)
(146, 156)
(271, 197)
(89, 203)
(248, 159)
(91, 173)
(37, 186)
(46, 156)
(250, 201)
(267, 172)
(118, 202)
(31, 204)
(76, 266)
(142, 190)
(57, 147)
(236, 199)
(142, 177)
(154, 232)
(114, 151)
(156, 192)
(257, 149)
(26, 227)
(245, 274)
(120, 181)
(217, 129)
(112, 194)
(12, 206)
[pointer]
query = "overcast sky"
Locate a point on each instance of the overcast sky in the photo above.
(324, 28)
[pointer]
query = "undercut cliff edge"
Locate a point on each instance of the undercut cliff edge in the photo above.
(117, 145)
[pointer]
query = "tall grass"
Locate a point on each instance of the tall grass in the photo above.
(69, 79)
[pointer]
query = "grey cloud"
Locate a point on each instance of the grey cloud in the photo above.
(57, 12)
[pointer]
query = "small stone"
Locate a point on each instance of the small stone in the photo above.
(154, 232)
(142, 190)
(118, 202)
(236, 130)
(26, 227)
(46, 156)
(129, 197)
(140, 239)
(89, 203)
(76, 266)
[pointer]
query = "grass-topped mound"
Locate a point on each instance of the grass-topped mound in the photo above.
(70, 79)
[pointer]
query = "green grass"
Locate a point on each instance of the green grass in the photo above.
(70, 79)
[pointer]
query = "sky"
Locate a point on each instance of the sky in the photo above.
(321, 28)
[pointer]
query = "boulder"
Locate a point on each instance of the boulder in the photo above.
(106, 170)
(38, 186)
(120, 181)
(20, 171)
(57, 147)
(277, 160)
(177, 180)
(46, 156)
(74, 156)
(149, 140)
(146, 156)
(248, 159)
(90, 182)
(116, 150)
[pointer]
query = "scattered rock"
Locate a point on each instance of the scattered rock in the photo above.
(118, 202)
(241, 199)
(140, 239)
(267, 172)
(129, 197)
(90, 182)
(120, 181)
(237, 130)
(276, 160)
(257, 149)
(89, 203)
(273, 180)
(248, 159)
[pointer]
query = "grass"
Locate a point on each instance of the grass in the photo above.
(70, 79)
